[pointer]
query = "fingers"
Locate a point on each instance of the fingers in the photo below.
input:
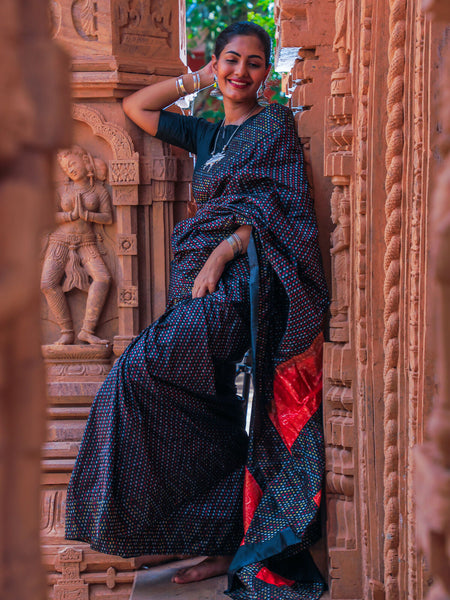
(201, 289)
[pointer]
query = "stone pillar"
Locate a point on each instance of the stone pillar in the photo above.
(304, 53)
(135, 189)
(433, 458)
(379, 361)
(378, 365)
(34, 121)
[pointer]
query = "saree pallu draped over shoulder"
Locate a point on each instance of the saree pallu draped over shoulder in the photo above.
(171, 389)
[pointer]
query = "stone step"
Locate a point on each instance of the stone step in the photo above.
(155, 584)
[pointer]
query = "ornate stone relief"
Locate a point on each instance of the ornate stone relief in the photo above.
(340, 409)
(142, 22)
(70, 585)
(342, 44)
(124, 180)
(365, 475)
(73, 257)
(340, 252)
(84, 17)
(55, 17)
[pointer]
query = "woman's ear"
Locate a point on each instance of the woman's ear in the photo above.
(214, 64)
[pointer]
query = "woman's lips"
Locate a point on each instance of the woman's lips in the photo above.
(240, 85)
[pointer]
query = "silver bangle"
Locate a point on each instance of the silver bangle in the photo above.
(181, 86)
(196, 78)
(234, 245)
(238, 242)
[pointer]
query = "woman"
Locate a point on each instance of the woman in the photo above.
(165, 461)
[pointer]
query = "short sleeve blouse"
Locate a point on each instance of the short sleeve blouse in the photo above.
(194, 134)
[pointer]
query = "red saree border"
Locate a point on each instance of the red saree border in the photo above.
(270, 577)
(252, 497)
(297, 392)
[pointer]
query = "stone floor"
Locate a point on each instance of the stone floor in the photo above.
(155, 584)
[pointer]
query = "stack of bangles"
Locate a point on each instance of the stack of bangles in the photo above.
(181, 90)
(236, 244)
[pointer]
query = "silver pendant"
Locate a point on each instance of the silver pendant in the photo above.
(215, 158)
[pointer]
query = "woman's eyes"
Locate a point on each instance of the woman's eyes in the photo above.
(252, 65)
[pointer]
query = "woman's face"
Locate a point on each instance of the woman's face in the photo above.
(74, 166)
(241, 68)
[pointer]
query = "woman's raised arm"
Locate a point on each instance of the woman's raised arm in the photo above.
(143, 106)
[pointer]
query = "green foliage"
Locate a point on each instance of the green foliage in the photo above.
(205, 19)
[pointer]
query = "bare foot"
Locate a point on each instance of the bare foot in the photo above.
(66, 338)
(210, 567)
(90, 338)
(151, 560)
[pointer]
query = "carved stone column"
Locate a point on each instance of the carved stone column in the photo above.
(304, 53)
(433, 458)
(142, 184)
(34, 121)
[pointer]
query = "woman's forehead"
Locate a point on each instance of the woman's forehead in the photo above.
(245, 44)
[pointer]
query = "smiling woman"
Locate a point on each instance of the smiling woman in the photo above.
(166, 466)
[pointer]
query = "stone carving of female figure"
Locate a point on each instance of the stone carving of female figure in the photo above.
(72, 259)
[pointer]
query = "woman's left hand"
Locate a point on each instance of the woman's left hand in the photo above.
(211, 272)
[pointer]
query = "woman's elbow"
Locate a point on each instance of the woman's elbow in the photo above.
(127, 105)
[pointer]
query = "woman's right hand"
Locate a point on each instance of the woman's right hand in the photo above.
(206, 75)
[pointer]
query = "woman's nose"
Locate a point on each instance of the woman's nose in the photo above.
(240, 68)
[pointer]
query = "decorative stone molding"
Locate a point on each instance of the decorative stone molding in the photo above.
(124, 180)
(116, 137)
(127, 244)
(394, 168)
(123, 172)
(128, 296)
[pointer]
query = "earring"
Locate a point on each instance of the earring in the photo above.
(215, 92)
(261, 98)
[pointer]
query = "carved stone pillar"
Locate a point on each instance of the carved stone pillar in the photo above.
(304, 53)
(142, 184)
(433, 458)
(34, 121)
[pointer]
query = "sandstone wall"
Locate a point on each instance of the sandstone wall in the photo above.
(378, 126)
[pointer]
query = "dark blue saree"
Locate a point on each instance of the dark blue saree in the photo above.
(165, 465)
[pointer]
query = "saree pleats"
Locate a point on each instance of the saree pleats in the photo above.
(161, 465)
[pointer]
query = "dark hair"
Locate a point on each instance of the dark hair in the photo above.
(244, 28)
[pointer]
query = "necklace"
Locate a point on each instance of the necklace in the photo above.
(218, 156)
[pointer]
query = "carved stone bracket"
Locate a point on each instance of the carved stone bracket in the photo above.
(70, 584)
